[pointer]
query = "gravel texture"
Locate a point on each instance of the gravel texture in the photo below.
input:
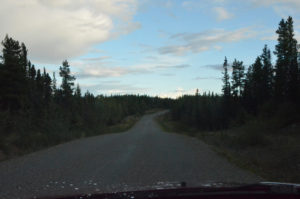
(140, 158)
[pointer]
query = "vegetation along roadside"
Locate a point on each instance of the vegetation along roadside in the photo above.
(37, 113)
(256, 121)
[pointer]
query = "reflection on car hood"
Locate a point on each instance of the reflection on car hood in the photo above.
(181, 189)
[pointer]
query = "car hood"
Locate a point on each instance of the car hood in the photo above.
(181, 189)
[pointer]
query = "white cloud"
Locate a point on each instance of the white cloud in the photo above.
(218, 67)
(203, 41)
(100, 58)
(274, 37)
(113, 88)
(168, 4)
(187, 3)
(294, 3)
(282, 7)
(207, 78)
(61, 29)
(218, 48)
(98, 68)
(222, 13)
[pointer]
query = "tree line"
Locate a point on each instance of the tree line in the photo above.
(36, 112)
(261, 89)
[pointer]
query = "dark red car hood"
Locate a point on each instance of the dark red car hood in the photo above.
(209, 190)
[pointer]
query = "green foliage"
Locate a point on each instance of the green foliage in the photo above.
(13, 73)
(257, 125)
(201, 111)
(267, 73)
(67, 80)
(256, 93)
(226, 83)
(237, 78)
(286, 78)
(249, 137)
(254, 90)
(35, 113)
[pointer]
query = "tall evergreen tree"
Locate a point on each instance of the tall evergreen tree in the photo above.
(39, 93)
(254, 87)
(281, 63)
(67, 79)
(226, 79)
(24, 59)
(267, 73)
(248, 89)
(292, 71)
(286, 78)
(238, 73)
(53, 83)
(77, 91)
(257, 81)
(47, 87)
(32, 73)
(13, 75)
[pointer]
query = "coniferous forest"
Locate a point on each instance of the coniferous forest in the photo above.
(261, 90)
(35, 112)
(255, 122)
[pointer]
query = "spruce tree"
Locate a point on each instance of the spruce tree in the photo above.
(281, 63)
(267, 73)
(47, 87)
(67, 80)
(24, 59)
(292, 70)
(226, 78)
(39, 93)
(286, 78)
(78, 91)
(32, 73)
(13, 75)
(256, 83)
(54, 83)
(238, 73)
(248, 96)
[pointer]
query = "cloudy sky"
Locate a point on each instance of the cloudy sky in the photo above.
(154, 47)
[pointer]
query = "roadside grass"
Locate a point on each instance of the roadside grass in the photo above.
(265, 147)
(124, 125)
(155, 110)
(38, 141)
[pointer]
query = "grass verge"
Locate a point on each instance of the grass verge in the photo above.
(124, 125)
(10, 150)
(258, 146)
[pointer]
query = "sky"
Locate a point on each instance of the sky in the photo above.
(163, 48)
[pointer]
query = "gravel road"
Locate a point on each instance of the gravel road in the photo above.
(141, 157)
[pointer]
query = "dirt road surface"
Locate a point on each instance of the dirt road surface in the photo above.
(140, 158)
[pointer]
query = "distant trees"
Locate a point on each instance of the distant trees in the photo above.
(267, 73)
(253, 88)
(263, 83)
(77, 92)
(226, 81)
(13, 72)
(67, 80)
(245, 93)
(238, 73)
(286, 68)
(35, 112)
(34, 109)
(201, 111)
